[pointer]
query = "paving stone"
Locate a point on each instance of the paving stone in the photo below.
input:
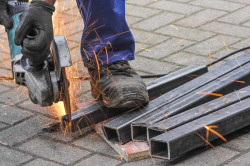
(5, 56)
(77, 37)
(6, 73)
(218, 4)
(148, 162)
(152, 66)
(40, 162)
(211, 45)
(241, 44)
(243, 160)
(36, 108)
(157, 21)
(24, 130)
(97, 160)
(132, 19)
(187, 33)
(4, 45)
(166, 48)
(241, 1)
(140, 2)
(210, 157)
(187, 59)
(224, 52)
(247, 24)
(53, 150)
(200, 18)
(227, 29)
(9, 157)
(18, 94)
(141, 47)
(175, 7)
(12, 114)
(147, 37)
(2, 125)
(140, 11)
(240, 143)
(237, 17)
(94, 142)
(3, 88)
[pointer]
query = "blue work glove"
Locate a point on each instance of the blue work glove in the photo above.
(5, 19)
(35, 31)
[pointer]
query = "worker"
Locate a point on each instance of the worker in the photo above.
(106, 47)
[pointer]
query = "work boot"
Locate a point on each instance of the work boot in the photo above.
(118, 85)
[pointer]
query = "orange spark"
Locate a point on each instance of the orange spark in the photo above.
(211, 129)
(208, 93)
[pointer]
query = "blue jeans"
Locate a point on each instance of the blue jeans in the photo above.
(106, 36)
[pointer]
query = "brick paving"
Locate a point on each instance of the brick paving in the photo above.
(170, 35)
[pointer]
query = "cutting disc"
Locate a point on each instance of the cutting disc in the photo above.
(65, 93)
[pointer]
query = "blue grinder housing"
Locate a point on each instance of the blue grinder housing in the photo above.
(15, 9)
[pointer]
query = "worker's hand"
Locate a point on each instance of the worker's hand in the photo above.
(5, 19)
(39, 16)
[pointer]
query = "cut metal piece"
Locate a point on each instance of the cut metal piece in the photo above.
(222, 86)
(185, 138)
(97, 112)
(197, 112)
(119, 129)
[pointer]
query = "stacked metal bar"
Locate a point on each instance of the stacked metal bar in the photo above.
(197, 112)
(174, 143)
(97, 112)
(224, 85)
(222, 79)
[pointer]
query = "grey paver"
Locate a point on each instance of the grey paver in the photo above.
(227, 29)
(140, 11)
(183, 32)
(2, 125)
(158, 21)
(209, 158)
(175, 7)
(94, 142)
(211, 45)
(241, 1)
(12, 114)
(40, 162)
(241, 44)
(187, 59)
(218, 4)
(53, 150)
(243, 160)
(141, 47)
(237, 17)
(24, 130)
(3, 88)
(247, 24)
(240, 143)
(132, 19)
(156, 67)
(147, 37)
(11, 157)
(36, 108)
(166, 48)
(97, 160)
(148, 162)
(140, 2)
(200, 18)
(18, 94)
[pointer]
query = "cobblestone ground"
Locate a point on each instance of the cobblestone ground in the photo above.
(169, 34)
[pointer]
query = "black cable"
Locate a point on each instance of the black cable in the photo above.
(224, 57)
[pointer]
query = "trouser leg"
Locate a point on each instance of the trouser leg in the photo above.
(106, 36)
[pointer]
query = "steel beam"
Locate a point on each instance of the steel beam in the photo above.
(197, 112)
(190, 136)
(119, 130)
(224, 85)
(97, 112)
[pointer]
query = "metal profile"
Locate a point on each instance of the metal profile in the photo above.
(197, 112)
(97, 112)
(119, 129)
(185, 138)
(223, 85)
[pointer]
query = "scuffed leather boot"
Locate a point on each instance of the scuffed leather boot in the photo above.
(118, 85)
